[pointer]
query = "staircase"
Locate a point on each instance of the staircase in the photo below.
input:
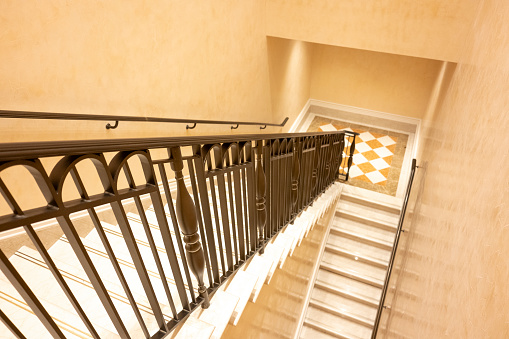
(350, 277)
(227, 303)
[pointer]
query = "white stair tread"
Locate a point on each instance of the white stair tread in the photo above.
(260, 267)
(366, 219)
(273, 253)
(349, 285)
(361, 268)
(357, 247)
(308, 332)
(363, 312)
(368, 212)
(336, 326)
(372, 196)
(108, 275)
(361, 238)
(347, 272)
(371, 203)
(219, 312)
(354, 226)
(344, 291)
(241, 286)
(196, 329)
(26, 321)
(40, 279)
(286, 242)
(340, 251)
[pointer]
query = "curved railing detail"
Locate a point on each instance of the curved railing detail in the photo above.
(232, 195)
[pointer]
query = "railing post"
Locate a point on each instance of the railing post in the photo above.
(350, 158)
(295, 176)
(260, 192)
(188, 223)
(315, 164)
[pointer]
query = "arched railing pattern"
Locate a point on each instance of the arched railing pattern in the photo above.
(205, 206)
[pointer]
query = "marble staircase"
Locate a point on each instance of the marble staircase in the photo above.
(350, 277)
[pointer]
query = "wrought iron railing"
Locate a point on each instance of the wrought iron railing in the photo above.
(242, 190)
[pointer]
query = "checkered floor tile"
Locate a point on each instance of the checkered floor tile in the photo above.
(372, 157)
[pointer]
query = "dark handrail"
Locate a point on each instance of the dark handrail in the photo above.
(117, 118)
(394, 249)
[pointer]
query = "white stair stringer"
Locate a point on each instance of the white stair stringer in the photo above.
(260, 269)
(349, 279)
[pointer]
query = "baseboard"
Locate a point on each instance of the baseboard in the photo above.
(301, 115)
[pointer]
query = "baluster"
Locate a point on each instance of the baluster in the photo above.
(188, 223)
(260, 192)
(295, 177)
(315, 164)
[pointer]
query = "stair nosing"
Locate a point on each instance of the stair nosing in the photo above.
(352, 274)
(346, 294)
(362, 238)
(343, 314)
(325, 329)
(361, 258)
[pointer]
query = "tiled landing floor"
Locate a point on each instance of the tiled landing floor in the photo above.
(378, 155)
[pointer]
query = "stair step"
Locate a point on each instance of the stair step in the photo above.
(361, 238)
(195, 328)
(334, 326)
(241, 286)
(344, 312)
(273, 253)
(222, 306)
(368, 220)
(346, 293)
(357, 227)
(108, 275)
(35, 272)
(353, 287)
(312, 333)
(352, 274)
(260, 267)
(353, 265)
(371, 203)
(365, 259)
(356, 247)
(21, 314)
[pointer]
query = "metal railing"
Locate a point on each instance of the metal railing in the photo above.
(243, 190)
(381, 305)
(118, 118)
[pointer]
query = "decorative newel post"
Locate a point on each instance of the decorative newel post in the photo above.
(187, 219)
(295, 177)
(350, 158)
(260, 193)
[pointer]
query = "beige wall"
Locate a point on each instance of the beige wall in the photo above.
(432, 29)
(290, 77)
(379, 81)
(454, 272)
(180, 59)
